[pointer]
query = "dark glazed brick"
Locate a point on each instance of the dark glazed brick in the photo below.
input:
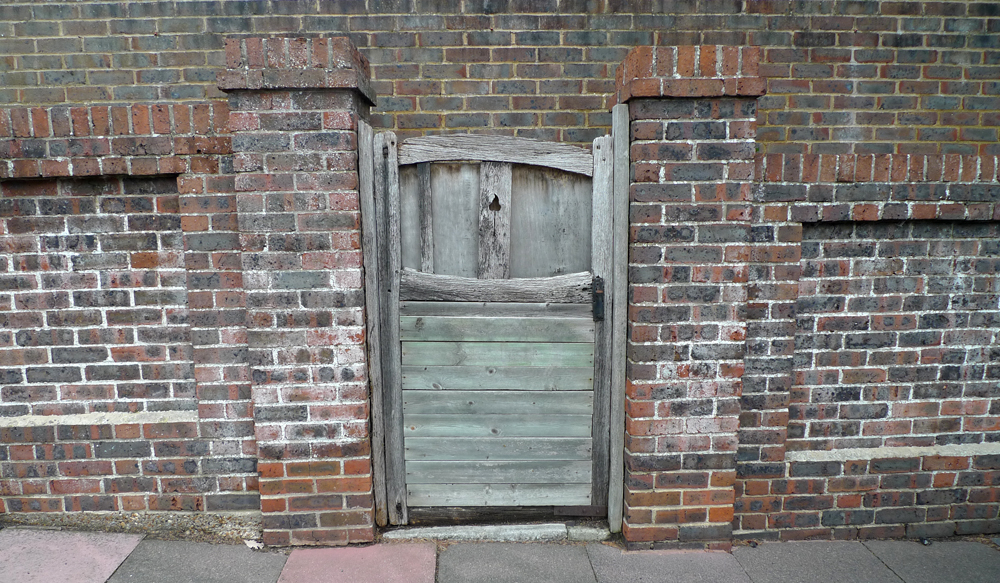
(122, 449)
(805, 469)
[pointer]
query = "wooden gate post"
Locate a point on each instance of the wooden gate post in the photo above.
(692, 122)
(296, 105)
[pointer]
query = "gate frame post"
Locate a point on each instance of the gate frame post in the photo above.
(295, 108)
(692, 128)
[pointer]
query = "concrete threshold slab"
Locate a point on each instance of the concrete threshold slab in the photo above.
(587, 533)
(494, 532)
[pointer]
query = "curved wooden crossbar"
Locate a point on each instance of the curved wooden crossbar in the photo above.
(497, 149)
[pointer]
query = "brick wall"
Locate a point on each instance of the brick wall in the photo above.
(97, 341)
(876, 115)
(896, 321)
(844, 76)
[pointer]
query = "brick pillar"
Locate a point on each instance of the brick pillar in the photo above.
(692, 139)
(295, 105)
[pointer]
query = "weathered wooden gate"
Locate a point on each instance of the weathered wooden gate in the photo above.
(493, 260)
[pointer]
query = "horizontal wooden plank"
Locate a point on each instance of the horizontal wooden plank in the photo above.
(497, 309)
(431, 425)
(522, 378)
(572, 288)
(497, 354)
(497, 149)
(494, 329)
(517, 472)
(493, 448)
(499, 402)
(498, 494)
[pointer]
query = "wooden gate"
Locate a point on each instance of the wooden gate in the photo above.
(487, 309)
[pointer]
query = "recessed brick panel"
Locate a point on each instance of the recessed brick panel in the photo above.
(95, 298)
(896, 335)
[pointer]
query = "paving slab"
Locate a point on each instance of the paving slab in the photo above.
(43, 556)
(160, 561)
(812, 561)
(385, 563)
(514, 563)
(951, 561)
(613, 565)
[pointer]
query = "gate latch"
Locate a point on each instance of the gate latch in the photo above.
(597, 298)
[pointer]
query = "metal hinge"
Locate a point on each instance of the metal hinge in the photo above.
(597, 298)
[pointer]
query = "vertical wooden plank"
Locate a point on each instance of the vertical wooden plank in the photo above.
(387, 202)
(619, 329)
(456, 204)
(425, 198)
(601, 246)
(494, 220)
(369, 250)
(551, 210)
(409, 217)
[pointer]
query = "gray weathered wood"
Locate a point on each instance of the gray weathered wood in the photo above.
(496, 149)
(427, 425)
(369, 250)
(489, 377)
(498, 494)
(409, 216)
(497, 354)
(497, 309)
(550, 222)
(456, 212)
(494, 220)
(426, 205)
(517, 471)
(496, 329)
(573, 288)
(498, 402)
(495, 448)
(619, 314)
(387, 200)
(602, 234)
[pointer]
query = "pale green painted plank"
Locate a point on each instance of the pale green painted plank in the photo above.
(499, 402)
(493, 448)
(520, 471)
(497, 354)
(494, 329)
(498, 494)
(420, 425)
(497, 309)
(523, 378)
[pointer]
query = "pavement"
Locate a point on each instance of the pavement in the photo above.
(32, 555)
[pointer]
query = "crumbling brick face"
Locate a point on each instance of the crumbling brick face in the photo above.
(894, 347)
(896, 340)
(96, 322)
(95, 299)
(835, 481)
(122, 465)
